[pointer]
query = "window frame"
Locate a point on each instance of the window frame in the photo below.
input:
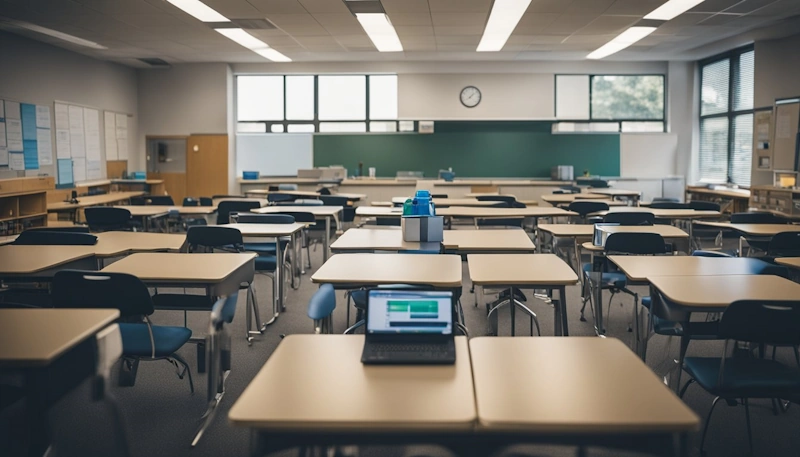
(619, 121)
(316, 120)
(734, 55)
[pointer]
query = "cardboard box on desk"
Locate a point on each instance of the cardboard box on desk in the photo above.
(423, 228)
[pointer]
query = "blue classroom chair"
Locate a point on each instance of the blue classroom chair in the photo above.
(321, 307)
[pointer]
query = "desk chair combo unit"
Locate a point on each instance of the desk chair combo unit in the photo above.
(106, 218)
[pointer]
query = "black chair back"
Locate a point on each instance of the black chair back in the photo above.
(439, 196)
(138, 201)
(784, 244)
(508, 199)
(584, 208)
(388, 221)
(225, 208)
(596, 183)
(229, 196)
(250, 218)
(47, 237)
(665, 199)
(160, 200)
(95, 289)
(105, 218)
(298, 216)
(189, 201)
(630, 218)
(503, 222)
(206, 201)
(324, 191)
(756, 217)
(669, 205)
(65, 229)
(568, 190)
(636, 243)
(333, 200)
(276, 198)
(704, 206)
(762, 322)
(205, 238)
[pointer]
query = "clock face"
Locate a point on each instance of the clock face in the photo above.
(470, 96)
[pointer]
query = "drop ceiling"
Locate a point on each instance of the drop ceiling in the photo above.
(440, 30)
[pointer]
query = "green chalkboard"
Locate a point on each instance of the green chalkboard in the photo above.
(473, 149)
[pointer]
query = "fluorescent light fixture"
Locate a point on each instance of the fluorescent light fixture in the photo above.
(622, 41)
(380, 31)
(199, 10)
(502, 21)
(672, 9)
(254, 44)
(6, 23)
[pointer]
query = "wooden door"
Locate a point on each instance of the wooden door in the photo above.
(207, 165)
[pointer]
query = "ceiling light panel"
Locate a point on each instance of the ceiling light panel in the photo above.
(672, 9)
(622, 41)
(199, 10)
(13, 24)
(254, 44)
(503, 19)
(381, 31)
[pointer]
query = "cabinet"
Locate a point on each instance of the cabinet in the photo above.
(23, 203)
(781, 201)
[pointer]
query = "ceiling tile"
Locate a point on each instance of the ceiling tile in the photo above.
(598, 40)
(782, 8)
(459, 19)
(405, 6)
(324, 6)
(122, 6)
(719, 19)
(413, 30)
(588, 6)
(608, 25)
(549, 6)
(470, 40)
(410, 19)
(476, 30)
(570, 23)
(460, 6)
(278, 6)
(633, 7)
(233, 9)
(749, 6)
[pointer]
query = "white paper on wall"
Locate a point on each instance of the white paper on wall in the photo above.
(110, 135)
(77, 142)
(122, 149)
(16, 161)
(42, 117)
(12, 110)
(44, 143)
(62, 144)
(14, 135)
(79, 169)
(62, 116)
(92, 128)
(122, 126)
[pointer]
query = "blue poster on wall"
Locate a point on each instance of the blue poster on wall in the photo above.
(28, 121)
(31, 153)
(65, 172)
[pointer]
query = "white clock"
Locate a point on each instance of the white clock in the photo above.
(470, 96)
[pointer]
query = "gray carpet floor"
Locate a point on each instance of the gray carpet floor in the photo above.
(161, 416)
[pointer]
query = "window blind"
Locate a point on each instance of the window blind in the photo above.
(714, 150)
(744, 82)
(742, 149)
(715, 87)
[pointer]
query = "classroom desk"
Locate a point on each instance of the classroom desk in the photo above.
(565, 199)
(502, 213)
(584, 391)
(379, 211)
(351, 271)
(459, 241)
(618, 193)
(573, 231)
(40, 263)
(273, 231)
(90, 200)
(791, 262)
(668, 232)
(220, 274)
(756, 230)
(661, 213)
(326, 213)
(45, 344)
(149, 212)
(335, 399)
(352, 197)
(443, 202)
(115, 244)
(640, 268)
(536, 271)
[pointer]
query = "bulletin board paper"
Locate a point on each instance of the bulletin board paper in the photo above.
(42, 117)
(16, 161)
(110, 135)
(14, 134)
(44, 143)
(65, 171)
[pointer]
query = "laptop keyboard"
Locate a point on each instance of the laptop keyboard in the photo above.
(400, 347)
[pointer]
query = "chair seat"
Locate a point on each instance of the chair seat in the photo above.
(268, 248)
(266, 263)
(744, 376)
(136, 339)
(182, 302)
(697, 330)
(610, 278)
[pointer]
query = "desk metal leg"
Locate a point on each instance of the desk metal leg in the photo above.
(277, 304)
(327, 239)
(562, 311)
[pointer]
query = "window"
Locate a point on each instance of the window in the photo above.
(632, 103)
(726, 117)
(321, 103)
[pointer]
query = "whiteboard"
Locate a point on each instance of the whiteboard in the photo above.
(648, 155)
(274, 154)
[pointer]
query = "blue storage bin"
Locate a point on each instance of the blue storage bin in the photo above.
(249, 175)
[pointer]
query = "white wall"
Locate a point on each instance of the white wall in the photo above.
(777, 70)
(648, 155)
(181, 100)
(35, 72)
(682, 106)
(506, 96)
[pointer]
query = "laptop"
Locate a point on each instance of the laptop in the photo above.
(409, 327)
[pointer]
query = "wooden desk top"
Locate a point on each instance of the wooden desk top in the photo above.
(753, 229)
(22, 260)
(371, 239)
(302, 193)
(315, 210)
(558, 199)
(640, 268)
(571, 385)
(93, 200)
(792, 262)
(267, 230)
(440, 270)
(519, 270)
(662, 213)
(154, 210)
(568, 230)
(180, 267)
(615, 192)
(721, 291)
(36, 337)
(449, 201)
(332, 390)
(729, 193)
(379, 211)
(666, 231)
(488, 213)
(488, 240)
(112, 244)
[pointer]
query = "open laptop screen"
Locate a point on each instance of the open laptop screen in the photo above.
(402, 312)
